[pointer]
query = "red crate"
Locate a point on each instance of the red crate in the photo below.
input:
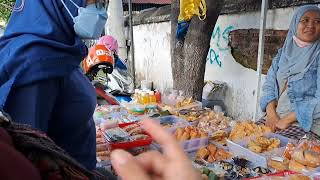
(131, 144)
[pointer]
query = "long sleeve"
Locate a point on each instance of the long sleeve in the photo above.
(308, 110)
(269, 87)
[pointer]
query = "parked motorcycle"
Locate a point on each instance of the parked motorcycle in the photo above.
(108, 73)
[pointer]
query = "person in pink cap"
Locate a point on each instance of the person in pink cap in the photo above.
(112, 44)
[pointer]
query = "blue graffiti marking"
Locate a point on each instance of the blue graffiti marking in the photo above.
(224, 35)
(214, 57)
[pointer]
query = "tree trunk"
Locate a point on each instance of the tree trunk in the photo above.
(189, 55)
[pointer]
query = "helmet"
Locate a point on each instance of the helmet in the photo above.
(110, 43)
(99, 57)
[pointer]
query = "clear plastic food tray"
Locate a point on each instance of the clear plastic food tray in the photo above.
(174, 120)
(239, 148)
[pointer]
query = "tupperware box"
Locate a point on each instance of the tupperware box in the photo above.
(240, 149)
(174, 120)
(131, 144)
(189, 145)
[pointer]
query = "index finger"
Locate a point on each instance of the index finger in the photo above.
(169, 145)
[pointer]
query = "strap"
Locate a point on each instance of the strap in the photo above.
(65, 6)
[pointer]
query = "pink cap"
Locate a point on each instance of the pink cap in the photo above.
(110, 42)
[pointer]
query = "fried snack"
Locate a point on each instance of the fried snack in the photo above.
(247, 128)
(275, 143)
(135, 131)
(278, 165)
(288, 151)
(188, 133)
(213, 154)
(262, 144)
(222, 155)
(103, 153)
(211, 159)
(295, 166)
(213, 121)
(203, 134)
(193, 134)
(185, 136)
(255, 148)
(130, 127)
(212, 148)
(202, 153)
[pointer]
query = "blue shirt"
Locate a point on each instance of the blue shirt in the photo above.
(303, 92)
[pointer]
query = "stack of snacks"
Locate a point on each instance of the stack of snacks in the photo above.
(211, 154)
(212, 122)
(246, 129)
(188, 133)
(306, 156)
(191, 115)
(262, 144)
(220, 137)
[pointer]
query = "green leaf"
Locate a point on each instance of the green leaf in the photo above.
(5, 9)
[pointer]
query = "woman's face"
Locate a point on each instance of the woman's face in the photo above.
(309, 27)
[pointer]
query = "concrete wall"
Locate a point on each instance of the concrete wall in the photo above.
(152, 53)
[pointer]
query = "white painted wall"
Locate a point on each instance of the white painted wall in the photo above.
(152, 54)
(152, 43)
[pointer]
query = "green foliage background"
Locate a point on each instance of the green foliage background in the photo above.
(5, 9)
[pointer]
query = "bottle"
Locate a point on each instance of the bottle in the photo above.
(152, 97)
(158, 96)
(144, 97)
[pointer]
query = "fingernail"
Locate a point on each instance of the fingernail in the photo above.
(119, 157)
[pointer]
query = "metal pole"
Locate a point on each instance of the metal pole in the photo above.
(131, 43)
(264, 10)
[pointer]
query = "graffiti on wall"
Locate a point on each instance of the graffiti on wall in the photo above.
(220, 39)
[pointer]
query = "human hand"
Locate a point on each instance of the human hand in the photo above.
(282, 124)
(271, 122)
(172, 164)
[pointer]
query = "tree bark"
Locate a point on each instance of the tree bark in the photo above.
(189, 55)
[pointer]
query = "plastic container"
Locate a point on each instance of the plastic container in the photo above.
(174, 120)
(189, 145)
(131, 144)
(240, 149)
(194, 105)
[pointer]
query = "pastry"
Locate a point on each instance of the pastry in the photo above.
(202, 153)
(295, 166)
(193, 134)
(279, 165)
(212, 149)
(185, 136)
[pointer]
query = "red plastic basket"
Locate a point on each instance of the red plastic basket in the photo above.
(131, 144)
